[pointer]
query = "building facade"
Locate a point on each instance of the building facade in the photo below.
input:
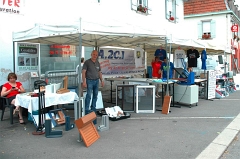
(146, 13)
(212, 22)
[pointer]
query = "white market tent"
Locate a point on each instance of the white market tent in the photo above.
(92, 34)
(99, 33)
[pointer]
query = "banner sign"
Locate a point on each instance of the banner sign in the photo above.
(211, 87)
(12, 6)
(118, 62)
(27, 56)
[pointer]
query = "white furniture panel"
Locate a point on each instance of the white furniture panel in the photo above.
(146, 102)
(187, 94)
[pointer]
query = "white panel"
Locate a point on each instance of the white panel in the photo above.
(145, 103)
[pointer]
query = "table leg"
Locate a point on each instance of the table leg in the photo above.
(173, 94)
(162, 92)
(78, 112)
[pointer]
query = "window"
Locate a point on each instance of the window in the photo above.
(170, 10)
(206, 29)
(141, 6)
(142, 2)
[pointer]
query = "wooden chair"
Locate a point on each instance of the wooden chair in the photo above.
(4, 103)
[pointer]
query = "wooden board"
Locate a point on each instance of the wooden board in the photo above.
(87, 129)
(166, 104)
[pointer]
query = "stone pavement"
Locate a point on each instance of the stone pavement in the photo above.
(203, 131)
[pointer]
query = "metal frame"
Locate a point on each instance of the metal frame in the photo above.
(133, 98)
(153, 99)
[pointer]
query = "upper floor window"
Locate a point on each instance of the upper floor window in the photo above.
(170, 10)
(206, 29)
(140, 6)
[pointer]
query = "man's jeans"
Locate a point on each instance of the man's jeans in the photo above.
(92, 87)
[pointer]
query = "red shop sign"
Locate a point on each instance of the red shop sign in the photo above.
(234, 28)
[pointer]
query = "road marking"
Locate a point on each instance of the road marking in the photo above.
(229, 99)
(169, 118)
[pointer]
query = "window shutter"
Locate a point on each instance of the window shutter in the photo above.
(166, 9)
(134, 4)
(200, 30)
(213, 29)
(174, 10)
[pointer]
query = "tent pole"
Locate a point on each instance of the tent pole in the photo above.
(205, 63)
(80, 78)
(168, 63)
(80, 56)
(225, 62)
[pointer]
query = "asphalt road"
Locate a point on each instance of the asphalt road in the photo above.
(185, 133)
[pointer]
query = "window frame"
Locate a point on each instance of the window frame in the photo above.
(135, 6)
(212, 29)
(173, 10)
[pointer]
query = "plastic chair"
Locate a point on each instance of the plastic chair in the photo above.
(4, 103)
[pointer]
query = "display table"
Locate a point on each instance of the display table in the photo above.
(31, 103)
(187, 94)
(202, 83)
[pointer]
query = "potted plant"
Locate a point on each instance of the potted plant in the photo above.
(140, 8)
(204, 36)
(208, 35)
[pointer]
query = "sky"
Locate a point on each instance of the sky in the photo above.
(237, 2)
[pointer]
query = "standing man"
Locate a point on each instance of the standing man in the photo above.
(91, 73)
(164, 68)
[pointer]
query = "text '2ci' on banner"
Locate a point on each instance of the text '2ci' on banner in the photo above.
(117, 62)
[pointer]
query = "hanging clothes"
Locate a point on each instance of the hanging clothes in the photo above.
(161, 53)
(204, 58)
(192, 55)
(179, 54)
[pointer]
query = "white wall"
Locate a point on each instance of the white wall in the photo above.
(222, 27)
(223, 31)
(45, 11)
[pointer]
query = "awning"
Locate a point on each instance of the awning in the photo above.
(92, 34)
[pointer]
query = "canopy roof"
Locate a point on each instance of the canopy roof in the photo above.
(99, 33)
(92, 34)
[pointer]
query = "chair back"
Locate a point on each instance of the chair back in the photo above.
(1, 99)
(38, 83)
(1, 89)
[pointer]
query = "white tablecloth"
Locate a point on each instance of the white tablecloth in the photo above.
(31, 103)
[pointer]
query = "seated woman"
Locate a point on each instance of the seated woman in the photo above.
(10, 90)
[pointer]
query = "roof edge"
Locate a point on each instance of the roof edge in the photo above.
(208, 14)
(213, 13)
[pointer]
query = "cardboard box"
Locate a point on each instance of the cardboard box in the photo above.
(202, 76)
